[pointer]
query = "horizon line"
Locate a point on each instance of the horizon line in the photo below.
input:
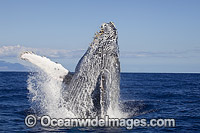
(120, 72)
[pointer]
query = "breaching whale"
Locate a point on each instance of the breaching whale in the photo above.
(93, 89)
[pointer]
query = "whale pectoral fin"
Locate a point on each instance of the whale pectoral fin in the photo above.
(51, 68)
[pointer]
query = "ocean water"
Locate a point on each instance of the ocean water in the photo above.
(145, 95)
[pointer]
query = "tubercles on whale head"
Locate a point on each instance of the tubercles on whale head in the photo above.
(106, 38)
(109, 25)
(107, 30)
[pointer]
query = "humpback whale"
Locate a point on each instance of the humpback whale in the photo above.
(93, 89)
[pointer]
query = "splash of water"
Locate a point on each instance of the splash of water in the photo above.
(45, 94)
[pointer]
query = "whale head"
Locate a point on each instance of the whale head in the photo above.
(94, 88)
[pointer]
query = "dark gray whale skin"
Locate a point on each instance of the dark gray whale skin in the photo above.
(94, 87)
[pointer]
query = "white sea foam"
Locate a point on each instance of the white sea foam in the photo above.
(45, 94)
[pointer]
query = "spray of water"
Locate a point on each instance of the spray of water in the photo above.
(45, 94)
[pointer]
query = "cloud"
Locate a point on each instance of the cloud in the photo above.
(190, 53)
(145, 54)
(15, 51)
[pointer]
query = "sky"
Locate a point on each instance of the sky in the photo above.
(154, 35)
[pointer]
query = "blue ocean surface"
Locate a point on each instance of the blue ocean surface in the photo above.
(147, 95)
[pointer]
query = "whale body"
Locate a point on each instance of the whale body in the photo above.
(93, 89)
